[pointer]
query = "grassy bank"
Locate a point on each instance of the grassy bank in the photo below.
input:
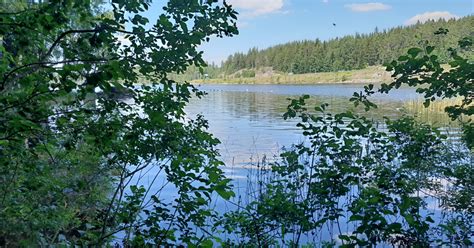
(373, 74)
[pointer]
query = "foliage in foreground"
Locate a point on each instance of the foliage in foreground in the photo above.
(355, 183)
(73, 154)
(72, 159)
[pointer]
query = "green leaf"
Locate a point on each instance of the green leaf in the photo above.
(429, 49)
(414, 51)
(207, 243)
(224, 193)
(410, 220)
(356, 217)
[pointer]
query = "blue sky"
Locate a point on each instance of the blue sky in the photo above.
(263, 23)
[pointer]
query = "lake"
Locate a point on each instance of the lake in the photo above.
(248, 120)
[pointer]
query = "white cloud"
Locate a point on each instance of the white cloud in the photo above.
(366, 7)
(325, 1)
(253, 8)
(436, 15)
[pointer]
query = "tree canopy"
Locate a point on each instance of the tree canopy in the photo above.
(73, 151)
(96, 148)
(352, 51)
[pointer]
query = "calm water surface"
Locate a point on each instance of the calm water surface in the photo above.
(248, 118)
(248, 121)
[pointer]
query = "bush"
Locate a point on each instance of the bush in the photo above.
(248, 73)
(71, 159)
(378, 183)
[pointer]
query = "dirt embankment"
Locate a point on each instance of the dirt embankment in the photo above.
(373, 74)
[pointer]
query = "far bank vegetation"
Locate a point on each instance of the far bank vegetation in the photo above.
(357, 58)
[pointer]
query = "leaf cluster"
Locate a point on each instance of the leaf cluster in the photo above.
(78, 134)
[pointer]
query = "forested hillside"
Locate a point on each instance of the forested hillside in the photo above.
(351, 52)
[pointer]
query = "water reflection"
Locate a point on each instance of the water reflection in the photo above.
(248, 118)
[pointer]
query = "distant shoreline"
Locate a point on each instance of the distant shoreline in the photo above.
(372, 74)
